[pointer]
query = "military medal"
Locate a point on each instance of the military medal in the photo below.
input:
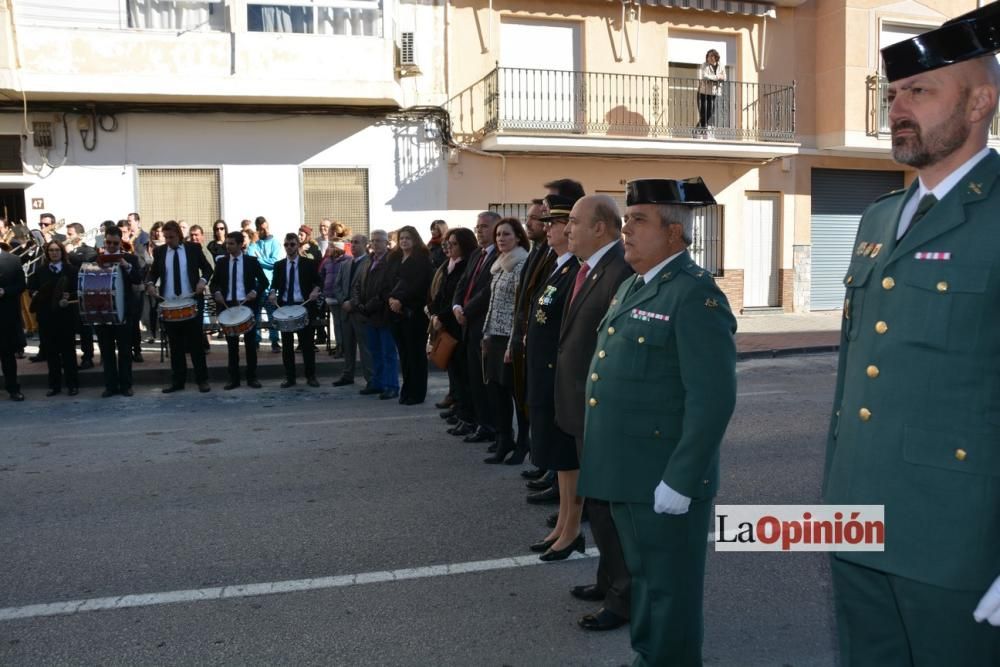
(540, 316)
(875, 250)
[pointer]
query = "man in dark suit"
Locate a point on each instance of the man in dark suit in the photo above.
(115, 340)
(12, 284)
(350, 282)
(47, 224)
(296, 280)
(182, 270)
(79, 253)
(472, 299)
(536, 269)
(239, 280)
(594, 233)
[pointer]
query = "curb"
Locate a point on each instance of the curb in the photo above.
(786, 352)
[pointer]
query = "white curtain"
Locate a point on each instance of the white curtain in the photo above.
(176, 14)
(350, 22)
(279, 18)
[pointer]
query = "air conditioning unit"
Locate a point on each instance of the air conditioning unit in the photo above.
(407, 54)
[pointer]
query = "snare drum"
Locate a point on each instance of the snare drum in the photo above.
(102, 294)
(290, 318)
(236, 321)
(178, 310)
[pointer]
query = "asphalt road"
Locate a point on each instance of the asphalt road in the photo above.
(154, 494)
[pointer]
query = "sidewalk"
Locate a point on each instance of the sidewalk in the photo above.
(758, 336)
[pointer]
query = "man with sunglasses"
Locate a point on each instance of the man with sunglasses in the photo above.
(238, 280)
(47, 225)
(115, 340)
(296, 282)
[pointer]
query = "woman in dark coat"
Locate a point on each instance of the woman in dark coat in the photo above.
(458, 245)
(408, 321)
(53, 287)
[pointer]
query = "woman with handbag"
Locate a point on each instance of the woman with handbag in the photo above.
(512, 243)
(458, 244)
(408, 321)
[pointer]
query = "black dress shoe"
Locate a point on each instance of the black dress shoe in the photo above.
(412, 401)
(538, 484)
(312, 382)
(16, 396)
(52, 392)
(231, 386)
(451, 421)
(462, 428)
(204, 388)
(388, 393)
(589, 593)
(542, 546)
(602, 620)
(253, 384)
(342, 382)
(127, 391)
(481, 435)
(370, 391)
(172, 388)
(86, 364)
(108, 393)
(579, 544)
(549, 496)
(533, 474)
(287, 383)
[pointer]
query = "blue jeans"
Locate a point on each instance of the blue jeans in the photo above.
(265, 303)
(385, 363)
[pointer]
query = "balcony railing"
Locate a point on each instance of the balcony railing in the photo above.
(539, 101)
(878, 109)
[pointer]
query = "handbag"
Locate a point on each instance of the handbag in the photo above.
(442, 347)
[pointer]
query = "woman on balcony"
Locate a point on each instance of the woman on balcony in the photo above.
(711, 76)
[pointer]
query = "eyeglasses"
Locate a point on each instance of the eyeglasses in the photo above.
(291, 245)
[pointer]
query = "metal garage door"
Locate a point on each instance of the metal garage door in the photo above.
(839, 197)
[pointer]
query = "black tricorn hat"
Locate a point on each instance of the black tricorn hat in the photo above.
(558, 206)
(962, 38)
(686, 192)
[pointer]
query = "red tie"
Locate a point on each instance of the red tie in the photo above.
(581, 277)
(475, 274)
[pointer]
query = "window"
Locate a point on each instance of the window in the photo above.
(519, 211)
(706, 246)
(191, 195)
(176, 14)
(338, 194)
(10, 154)
(321, 17)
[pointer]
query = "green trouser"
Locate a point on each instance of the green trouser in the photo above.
(889, 621)
(665, 555)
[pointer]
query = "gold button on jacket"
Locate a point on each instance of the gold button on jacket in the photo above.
(888, 283)
(881, 327)
(593, 402)
(865, 414)
(872, 371)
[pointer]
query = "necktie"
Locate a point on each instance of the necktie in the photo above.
(581, 277)
(475, 274)
(177, 271)
(926, 202)
(232, 282)
(55, 269)
(291, 282)
(636, 286)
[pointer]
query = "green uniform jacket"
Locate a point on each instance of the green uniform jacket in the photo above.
(916, 421)
(661, 389)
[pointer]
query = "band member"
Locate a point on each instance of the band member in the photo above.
(115, 340)
(296, 282)
(79, 253)
(238, 279)
(53, 293)
(12, 284)
(182, 270)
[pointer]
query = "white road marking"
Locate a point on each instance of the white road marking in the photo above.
(765, 392)
(271, 588)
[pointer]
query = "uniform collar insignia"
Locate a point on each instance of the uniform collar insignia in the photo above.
(976, 187)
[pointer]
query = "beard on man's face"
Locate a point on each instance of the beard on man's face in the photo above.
(925, 148)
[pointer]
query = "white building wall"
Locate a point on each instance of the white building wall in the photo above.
(260, 157)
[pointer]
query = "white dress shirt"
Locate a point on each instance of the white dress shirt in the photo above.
(168, 274)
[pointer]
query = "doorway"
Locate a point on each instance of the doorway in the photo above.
(12, 206)
(761, 251)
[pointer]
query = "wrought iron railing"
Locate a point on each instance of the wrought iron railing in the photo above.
(878, 108)
(626, 105)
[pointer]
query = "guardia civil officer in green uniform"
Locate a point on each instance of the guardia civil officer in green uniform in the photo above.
(916, 416)
(661, 390)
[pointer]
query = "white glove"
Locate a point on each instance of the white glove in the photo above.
(668, 501)
(988, 608)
